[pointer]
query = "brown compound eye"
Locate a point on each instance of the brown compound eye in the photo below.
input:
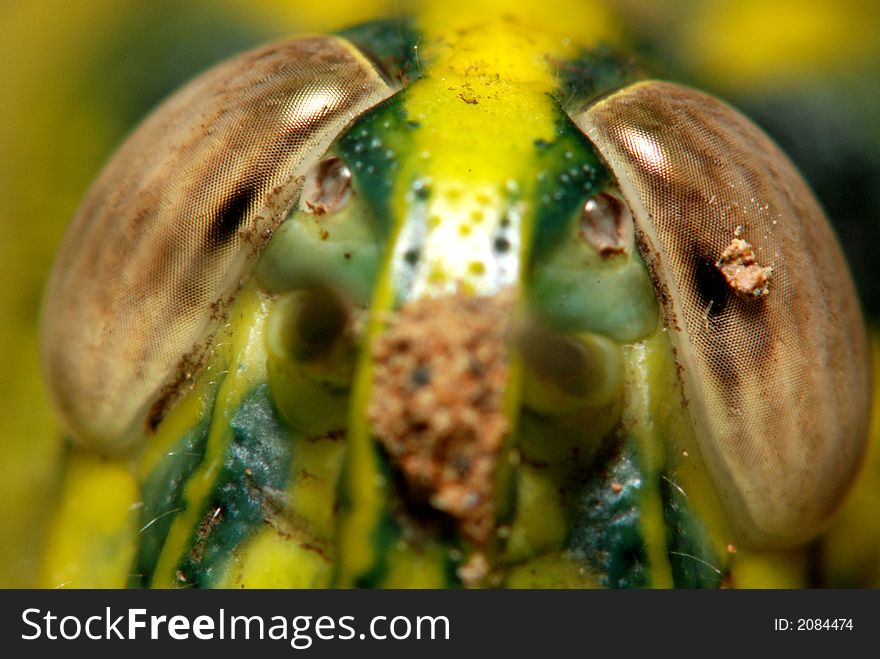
(172, 226)
(758, 300)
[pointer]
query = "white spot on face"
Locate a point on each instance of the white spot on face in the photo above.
(466, 246)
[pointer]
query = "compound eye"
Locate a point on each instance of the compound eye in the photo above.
(759, 303)
(171, 228)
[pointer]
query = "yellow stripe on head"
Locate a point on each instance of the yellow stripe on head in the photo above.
(482, 103)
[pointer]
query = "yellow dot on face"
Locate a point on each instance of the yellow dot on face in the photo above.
(437, 276)
(477, 216)
(453, 193)
(464, 229)
(477, 268)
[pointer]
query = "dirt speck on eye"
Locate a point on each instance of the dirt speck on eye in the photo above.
(742, 272)
(440, 370)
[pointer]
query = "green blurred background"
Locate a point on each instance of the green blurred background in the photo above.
(76, 76)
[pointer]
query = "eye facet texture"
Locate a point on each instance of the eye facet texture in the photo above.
(169, 230)
(777, 383)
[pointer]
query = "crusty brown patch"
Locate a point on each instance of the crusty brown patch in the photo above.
(741, 270)
(437, 402)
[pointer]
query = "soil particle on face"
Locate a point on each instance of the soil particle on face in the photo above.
(741, 270)
(437, 404)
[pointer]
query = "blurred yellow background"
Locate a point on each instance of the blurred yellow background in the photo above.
(76, 76)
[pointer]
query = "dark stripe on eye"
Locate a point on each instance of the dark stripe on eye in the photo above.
(712, 288)
(738, 337)
(230, 216)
